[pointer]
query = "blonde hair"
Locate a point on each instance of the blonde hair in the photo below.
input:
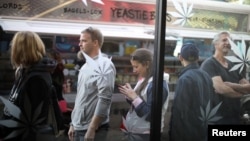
(95, 34)
(27, 48)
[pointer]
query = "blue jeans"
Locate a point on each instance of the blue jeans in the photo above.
(100, 134)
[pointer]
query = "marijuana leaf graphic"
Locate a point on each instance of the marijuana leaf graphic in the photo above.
(100, 68)
(183, 14)
(126, 127)
(96, 1)
(100, 74)
(22, 122)
(208, 115)
(242, 57)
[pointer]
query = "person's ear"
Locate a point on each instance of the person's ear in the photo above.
(180, 58)
(96, 43)
(183, 62)
(146, 64)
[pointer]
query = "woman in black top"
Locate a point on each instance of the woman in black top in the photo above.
(31, 90)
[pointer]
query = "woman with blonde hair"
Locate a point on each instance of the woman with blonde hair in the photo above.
(31, 90)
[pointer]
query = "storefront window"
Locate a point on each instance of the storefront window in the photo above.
(204, 45)
(126, 25)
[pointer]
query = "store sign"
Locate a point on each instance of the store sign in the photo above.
(242, 2)
(79, 11)
(120, 12)
(214, 20)
(186, 16)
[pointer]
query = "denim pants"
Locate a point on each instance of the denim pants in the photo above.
(100, 134)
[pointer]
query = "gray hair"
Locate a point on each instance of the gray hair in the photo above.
(217, 36)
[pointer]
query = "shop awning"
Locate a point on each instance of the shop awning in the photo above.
(114, 31)
(60, 28)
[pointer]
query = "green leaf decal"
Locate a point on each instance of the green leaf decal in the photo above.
(214, 110)
(14, 133)
(22, 122)
(27, 106)
(208, 116)
(10, 123)
(207, 109)
(37, 113)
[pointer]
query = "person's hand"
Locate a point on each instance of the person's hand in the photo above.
(90, 134)
(71, 133)
(128, 91)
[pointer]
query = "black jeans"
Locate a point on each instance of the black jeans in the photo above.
(100, 134)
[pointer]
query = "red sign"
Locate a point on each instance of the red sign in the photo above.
(109, 11)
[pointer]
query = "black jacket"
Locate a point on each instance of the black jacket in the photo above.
(31, 94)
(193, 102)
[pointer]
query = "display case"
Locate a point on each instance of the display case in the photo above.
(172, 66)
(119, 51)
(121, 59)
(71, 67)
(124, 71)
(68, 48)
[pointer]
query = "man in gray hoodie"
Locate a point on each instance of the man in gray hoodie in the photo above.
(90, 116)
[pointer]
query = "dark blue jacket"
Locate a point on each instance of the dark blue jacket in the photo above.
(194, 93)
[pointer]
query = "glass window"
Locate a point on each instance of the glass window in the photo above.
(204, 45)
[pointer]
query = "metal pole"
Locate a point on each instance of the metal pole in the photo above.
(159, 51)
